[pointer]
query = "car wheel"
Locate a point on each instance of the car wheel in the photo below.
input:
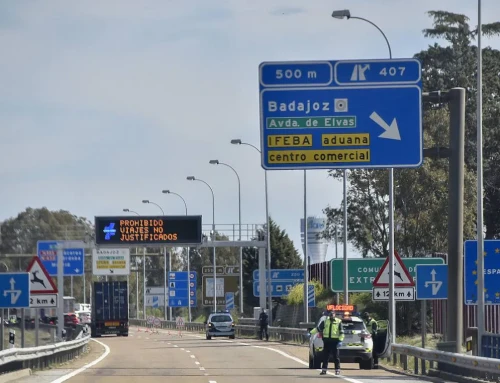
(231, 336)
(366, 364)
(208, 337)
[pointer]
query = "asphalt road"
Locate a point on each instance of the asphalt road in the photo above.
(145, 358)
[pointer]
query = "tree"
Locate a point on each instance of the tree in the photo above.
(19, 235)
(284, 255)
(455, 65)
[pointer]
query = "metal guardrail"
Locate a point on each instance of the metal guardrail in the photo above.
(436, 360)
(43, 356)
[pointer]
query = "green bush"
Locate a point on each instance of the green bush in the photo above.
(296, 294)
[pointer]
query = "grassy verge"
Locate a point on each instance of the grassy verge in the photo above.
(431, 342)
(45, 337)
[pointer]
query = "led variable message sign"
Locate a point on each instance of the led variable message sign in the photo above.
(148, 230)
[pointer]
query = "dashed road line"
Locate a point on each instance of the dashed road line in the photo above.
(197, 362)
(192, 356)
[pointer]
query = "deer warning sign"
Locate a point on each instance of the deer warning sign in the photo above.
(402, 277)
(40, 281)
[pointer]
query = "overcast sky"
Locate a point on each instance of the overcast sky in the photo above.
(106, 103)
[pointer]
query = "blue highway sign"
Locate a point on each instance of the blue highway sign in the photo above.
(180, 302)
(229, 301)
(282, 274)
(491, 272)
(280, 288)
(432, 281)
(341, 114)
(73, 258)
(15, 290)
(180, 285)
(311, 296)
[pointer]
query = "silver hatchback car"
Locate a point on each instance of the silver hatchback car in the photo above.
(219, 324)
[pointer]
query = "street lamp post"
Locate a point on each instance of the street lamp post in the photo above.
(269, 285)
(217, 162)
(193, 178)
(188, 264)
(392, 312)
(164, 268)
(136, 274)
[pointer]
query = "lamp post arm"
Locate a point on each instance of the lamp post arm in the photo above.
(380, 30)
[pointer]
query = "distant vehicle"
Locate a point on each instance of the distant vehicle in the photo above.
(219, 324)
(109, 309)
(84, 316)
(71, 320)
(83, 307)
(357, 344)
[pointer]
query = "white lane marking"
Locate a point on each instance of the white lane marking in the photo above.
(169, 343)
(307, 364)
(202, 368)
(175, 345)
(76, 372)
(212, 381)
(188, 351)
(192, 356)
(196, 362)
(182, 349)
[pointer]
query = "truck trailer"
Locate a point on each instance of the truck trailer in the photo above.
(109, 309)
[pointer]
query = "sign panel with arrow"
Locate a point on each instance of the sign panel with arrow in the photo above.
(341, 114)
(400, 294)
(432, 282)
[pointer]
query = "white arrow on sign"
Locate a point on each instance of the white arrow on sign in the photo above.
(391, 131)
(436, 285)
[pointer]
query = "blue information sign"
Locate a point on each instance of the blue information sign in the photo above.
(491, 272)
(341, 114)
(15, 290)
(280, 288)
(73, 258)
(311, 296)
(432, 281)
(229, 301)
(282, 274)
(182, 288)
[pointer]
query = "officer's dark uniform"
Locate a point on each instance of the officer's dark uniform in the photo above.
(263, 321)
(333, 335)
(371, 324)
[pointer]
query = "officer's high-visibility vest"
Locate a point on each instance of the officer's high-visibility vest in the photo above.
(333, 329)
(370, 326)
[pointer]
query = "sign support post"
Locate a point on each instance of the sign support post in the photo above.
(60, 289)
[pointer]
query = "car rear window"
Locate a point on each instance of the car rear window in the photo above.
(353, 326)
(221, 318)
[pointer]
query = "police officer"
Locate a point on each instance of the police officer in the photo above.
(333, 335)
(371, 324)
(263, 321)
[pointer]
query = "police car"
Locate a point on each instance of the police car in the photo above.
(357, 345)
(219, 324)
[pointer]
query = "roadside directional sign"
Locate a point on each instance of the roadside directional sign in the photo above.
(279, 288)
(40, 281)
(282, 274)
(43, 300)
(432, 282)
(311, 296)
(14, 290)
(402, 277)
(400, 293)
(225, 284)
(363, 271)
(341, 114)
(111, 261)
(73, 258)
(180, 284)
(229, 301)
(491, 272)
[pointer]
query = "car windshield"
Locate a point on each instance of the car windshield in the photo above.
(353, 326)
(221, 318)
